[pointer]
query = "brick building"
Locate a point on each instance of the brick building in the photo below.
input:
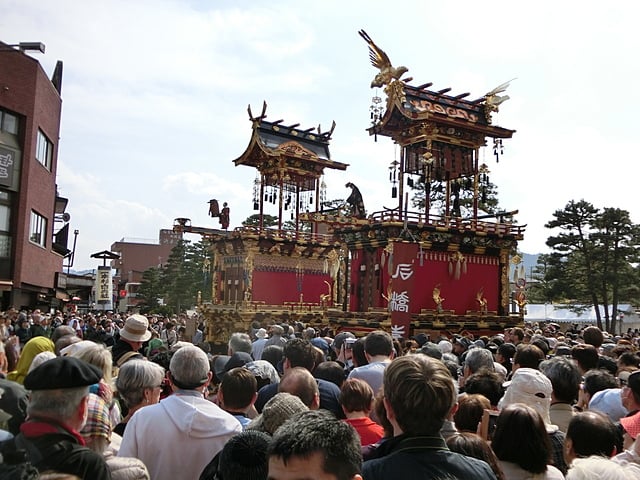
(136, 256)
(33, 233)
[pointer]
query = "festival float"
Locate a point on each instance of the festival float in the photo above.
(404, 270)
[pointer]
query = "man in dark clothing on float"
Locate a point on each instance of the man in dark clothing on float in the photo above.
(57, 411)
(419, 394)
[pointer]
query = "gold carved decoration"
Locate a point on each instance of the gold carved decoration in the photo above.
(295, 149)
(379, 59)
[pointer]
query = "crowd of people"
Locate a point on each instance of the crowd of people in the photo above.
(108, 396)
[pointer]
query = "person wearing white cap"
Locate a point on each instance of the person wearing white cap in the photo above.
(134, 333)
(258, 345)
(445, 346)
(533, 388)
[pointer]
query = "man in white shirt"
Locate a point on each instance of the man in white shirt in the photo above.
(378, 348)
(179, 436)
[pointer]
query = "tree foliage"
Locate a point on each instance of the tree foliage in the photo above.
(150, 290)
(254, 220)
(592, 260)
(178, 282)
(487, 198)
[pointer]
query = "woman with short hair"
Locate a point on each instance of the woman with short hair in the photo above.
(522, 445)
(139, 384)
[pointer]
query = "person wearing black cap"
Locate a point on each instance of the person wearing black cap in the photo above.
(460, 346)
(57, 411)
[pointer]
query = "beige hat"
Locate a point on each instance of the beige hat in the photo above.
(276, 411)
(136, 329)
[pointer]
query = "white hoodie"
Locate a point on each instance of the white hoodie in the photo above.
(179, 436)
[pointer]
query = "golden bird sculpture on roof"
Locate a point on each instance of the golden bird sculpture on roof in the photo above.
(380, 60)
(493, 100)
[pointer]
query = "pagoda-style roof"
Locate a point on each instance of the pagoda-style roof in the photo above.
(278, 151)
(413, 111)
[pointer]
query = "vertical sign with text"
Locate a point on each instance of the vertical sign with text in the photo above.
(7, 160)
(104, 286)
(401, 291)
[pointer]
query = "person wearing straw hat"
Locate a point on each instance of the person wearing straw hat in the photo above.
(134, 333)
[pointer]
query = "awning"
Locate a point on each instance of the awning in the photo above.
(62, 295)
(6, 285)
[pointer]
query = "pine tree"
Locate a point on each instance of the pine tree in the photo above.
(593, 258)
(463, 190)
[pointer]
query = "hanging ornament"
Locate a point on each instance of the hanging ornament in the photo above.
(375, 110)
(457, 265)
(498, 149)
(256, 193)
(323, 193)
(393, 177)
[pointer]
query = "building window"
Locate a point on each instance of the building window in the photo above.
(44, 150)
(5, 226)
(5, 218)
(8, 123)
(38, 229)
(5, 245)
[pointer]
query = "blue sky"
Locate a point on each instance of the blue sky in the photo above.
(155, 96)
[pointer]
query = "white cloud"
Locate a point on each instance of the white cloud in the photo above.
(155, 96)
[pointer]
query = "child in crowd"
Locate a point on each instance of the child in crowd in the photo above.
(356, 399)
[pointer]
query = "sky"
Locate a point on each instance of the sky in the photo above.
(155, 96)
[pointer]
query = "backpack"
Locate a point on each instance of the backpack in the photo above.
(16, 462)
(19, 457)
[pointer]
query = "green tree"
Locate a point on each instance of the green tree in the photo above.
(182, 275)
(150, 290)
(254, 220)
(592, 259)
(617, 238)
(336, 206)
(487, 197)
